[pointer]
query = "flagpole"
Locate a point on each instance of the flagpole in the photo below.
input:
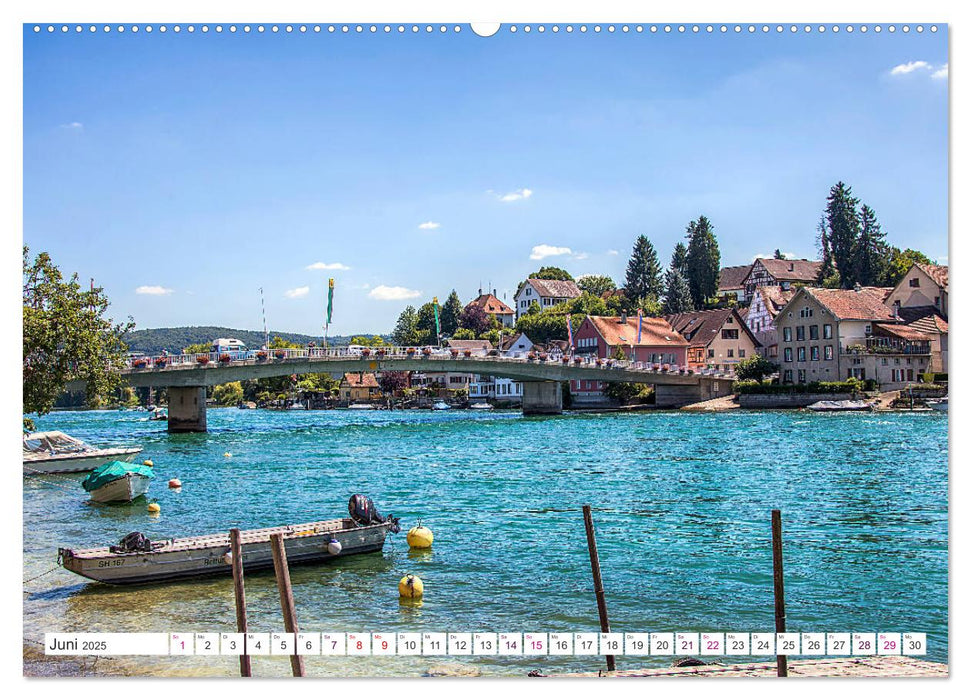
(266, 336)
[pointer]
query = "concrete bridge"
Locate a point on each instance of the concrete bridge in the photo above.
(187, 376)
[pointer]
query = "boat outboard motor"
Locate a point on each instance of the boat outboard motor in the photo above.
(363, 512)
(132, 542)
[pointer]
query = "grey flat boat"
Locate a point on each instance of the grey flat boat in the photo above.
(139, 561)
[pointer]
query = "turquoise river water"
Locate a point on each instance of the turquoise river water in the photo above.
(681, 505)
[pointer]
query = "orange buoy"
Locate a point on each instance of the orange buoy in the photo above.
(175, 484)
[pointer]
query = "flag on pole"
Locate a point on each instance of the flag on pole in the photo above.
(330, 300)
(569, 330)
(438, 325)
(640, 323)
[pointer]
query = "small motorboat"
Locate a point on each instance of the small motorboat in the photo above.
(136, 559)
(362, 407)
(54, 452)
(440, 406)
(937, 404)
(847, 405)
(481, 407)
(159, 414)
(118, 482)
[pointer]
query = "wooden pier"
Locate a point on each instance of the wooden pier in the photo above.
(855, 667)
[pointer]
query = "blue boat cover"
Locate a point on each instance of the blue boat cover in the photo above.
(111, 471)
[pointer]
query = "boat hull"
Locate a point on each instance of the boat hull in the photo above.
(83, 462)
(123, 490)
(195, 557)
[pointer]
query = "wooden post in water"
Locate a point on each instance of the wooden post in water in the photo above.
(782, 661)
(236, 551)
(286, 598)
(598, 586)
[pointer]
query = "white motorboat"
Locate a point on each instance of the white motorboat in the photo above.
(440, 406)
(481, 407)
(846, 405)
(54, 452)
(361, 407)
(118, 482)
(938, 404)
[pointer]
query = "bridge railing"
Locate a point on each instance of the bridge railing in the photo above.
(254, 357)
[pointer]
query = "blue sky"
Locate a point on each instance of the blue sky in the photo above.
(184, 172)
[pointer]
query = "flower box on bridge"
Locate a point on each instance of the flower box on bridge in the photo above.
(280, 354)
(261, 355)
(202, 359)
(225, 359)
(366, 352)
(160, 362)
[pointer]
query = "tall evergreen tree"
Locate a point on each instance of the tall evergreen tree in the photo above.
(703, 261)
(871, 254)
(843, 224)
(406, 329)
(779, 255)
(679, 259)
(643, 272)
(450, 314)
(677, 296)
(827, 272)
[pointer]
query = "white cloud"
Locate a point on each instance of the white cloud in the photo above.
(910, 67)
(940, 73)
(581, 256)
(153, 290)
(327, 266)
(297, 293)
(73, 126)
(385, 293)
(547, 251)
(613, 252)
(429, 226)
(515, 195)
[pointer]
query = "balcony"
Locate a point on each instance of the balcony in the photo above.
(879, 345)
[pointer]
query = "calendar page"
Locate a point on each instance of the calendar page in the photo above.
(381, 347)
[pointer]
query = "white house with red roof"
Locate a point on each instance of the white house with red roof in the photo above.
(495, 307)
(545, 293)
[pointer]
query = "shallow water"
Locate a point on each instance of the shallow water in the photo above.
(681, 504)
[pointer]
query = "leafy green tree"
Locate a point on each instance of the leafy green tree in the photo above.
(598, 285)
(550, 272)
(643, 272)
(279, 343)
(871, 255)
(679, 259)
(197, 348)
(67, 337)
(828, 275)
(543, 327)
(626, 392)
(755, 367)
(368, 342)
(426, 334)
(779, 255)
(393, 383)
(450, 314)
(703, 262)
(229, 394)
(843, 230)
(899, 262)
(464, 334)
(677, 296)
(406, 329)
(475, 319)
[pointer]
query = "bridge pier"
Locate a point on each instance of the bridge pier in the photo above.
(187, 409)
(542, 398)
(678, 395)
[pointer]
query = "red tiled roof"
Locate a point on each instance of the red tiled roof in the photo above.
(774, 298)
(491, 304)
(702, 327)
(654, 331)
(926, 319)
(792, 270)
(938, 273)
(469, 344)
(864, 304)
(733, 277)
(365, 380)
(901, 331)
(555, 288)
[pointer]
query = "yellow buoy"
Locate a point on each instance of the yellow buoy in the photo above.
(411, 587)
(154, 508)
(148, 463)
(420, 537)
(227, 455)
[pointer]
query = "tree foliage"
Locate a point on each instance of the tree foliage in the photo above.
(368, 342)
(474, 318)
(677, 295)
(598, 285)
(450, 313)
(406, 329)
(679, 259)
(643, 272)
(392, 383)
(229, 394)
(870, 254)
(197, 348)
(425, 326)
(703, 261)
(549, 272)
(67, 337)
(899, 262)
(279, 343)
(755, 367)
(842, 231)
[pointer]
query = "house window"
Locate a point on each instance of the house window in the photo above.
(827, 331)
(787, 334)
(802, 376)
(729, 334)
(800, 332)
(814, 353)
(731, 353)
(801, 354)
(915, 282)
(787, 355)
(868, 330)
(937, 301)
(711, 352)
(741, 352)
(814, 332)
(787, 376)
(828, 352)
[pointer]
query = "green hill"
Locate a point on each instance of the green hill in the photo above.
(154, 340)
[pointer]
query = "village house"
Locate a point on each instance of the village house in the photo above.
(546, 293)
(787, 274)
(499, 310)
(760, 317)
(731, 282)
(920, 301)
(486, 387)
(717, 339)
(359, 386)
(604, 336)
(455, 381)
(834, 334)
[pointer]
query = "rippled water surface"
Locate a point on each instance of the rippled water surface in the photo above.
(681, 503)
